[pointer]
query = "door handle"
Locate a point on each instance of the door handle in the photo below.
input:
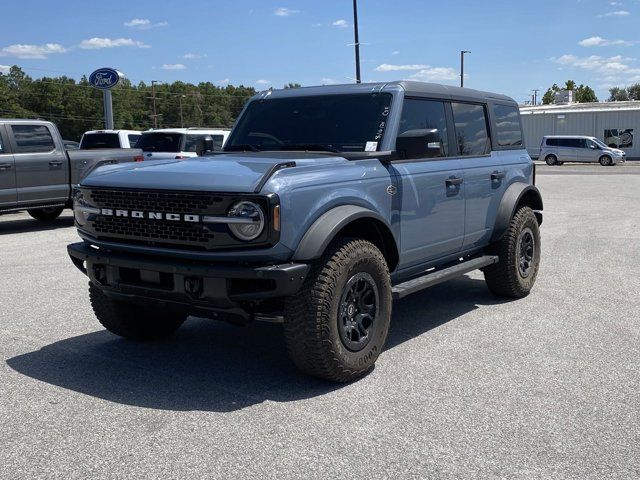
(5, 166)
(55, 163)
(453, 181)
(497, 175)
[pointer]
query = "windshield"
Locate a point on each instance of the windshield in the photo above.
(100, 140)
(345, 123)
(160, 142)
(599, 143)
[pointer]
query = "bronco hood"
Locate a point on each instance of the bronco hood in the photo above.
(240, 173)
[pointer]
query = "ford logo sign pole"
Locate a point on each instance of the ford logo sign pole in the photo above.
(105, 79)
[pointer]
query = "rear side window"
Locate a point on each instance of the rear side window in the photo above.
(133, 139)
(425, 114)
(160, 142)
(508, 129)
(32, 138)
(471, 129)
(100, 140)
(1, 144)
(191, 142)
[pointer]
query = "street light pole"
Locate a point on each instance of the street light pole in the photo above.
(357, 41)
(462, 52)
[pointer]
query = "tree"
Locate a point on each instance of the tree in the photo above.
(582, 94)
(634, 91)
(292, 85)
(617, 94)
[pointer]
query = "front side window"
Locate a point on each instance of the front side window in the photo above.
(553, 142)
(1, 145)
(426, 115)
(191, 142)
(471, 129)
(345, 123)
(32, 138)
(508, 129)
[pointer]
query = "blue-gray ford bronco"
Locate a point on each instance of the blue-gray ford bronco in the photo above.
(326, 204)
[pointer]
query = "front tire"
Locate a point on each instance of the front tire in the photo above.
(132, 321)
(46, 214)
(551, 160)
(336, 326)
(519, 253)
(605, 160)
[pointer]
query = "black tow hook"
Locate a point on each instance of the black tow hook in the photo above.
(193, 286)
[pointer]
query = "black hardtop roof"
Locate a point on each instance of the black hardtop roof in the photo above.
(410, 88)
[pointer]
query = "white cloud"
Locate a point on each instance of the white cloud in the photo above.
(602, 42)
(263, 82)
(395, 52)
(328, 81)
(617, 13)
(224, 81)
(435, 74)
(606, 65)
(32, 51)
(97, 42)
(340, 23)
(194, 56)
(4, 69)
(144, 23)
(284, 12)
(385, 67)
(173, 66)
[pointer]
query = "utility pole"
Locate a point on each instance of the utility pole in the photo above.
(462, 52)
(153, 97)
(181, 119)
(357, 41)
(535, 95)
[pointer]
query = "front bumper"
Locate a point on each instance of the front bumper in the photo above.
(195, 287)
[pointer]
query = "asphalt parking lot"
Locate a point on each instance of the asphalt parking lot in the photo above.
(469, 386)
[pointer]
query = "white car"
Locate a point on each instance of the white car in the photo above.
(109, 139)
(178, 143)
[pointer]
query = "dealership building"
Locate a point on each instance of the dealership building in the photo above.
(612, 122)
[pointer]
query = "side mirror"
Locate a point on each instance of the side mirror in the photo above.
(423, 143)
(204, 145)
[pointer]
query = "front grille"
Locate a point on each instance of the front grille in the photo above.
(174, 202)
(168, 233)
(147, 229)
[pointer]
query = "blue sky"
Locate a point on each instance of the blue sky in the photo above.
(516, 45)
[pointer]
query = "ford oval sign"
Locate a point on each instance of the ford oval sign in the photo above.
(104, 78)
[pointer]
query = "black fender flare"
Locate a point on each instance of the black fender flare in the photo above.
(516, 194)
(325, 228)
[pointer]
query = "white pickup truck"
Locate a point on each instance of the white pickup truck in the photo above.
(38, 174)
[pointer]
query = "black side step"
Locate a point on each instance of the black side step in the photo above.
(438, 276)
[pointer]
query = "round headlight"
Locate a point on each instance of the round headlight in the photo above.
(246, 220)
(81, 209)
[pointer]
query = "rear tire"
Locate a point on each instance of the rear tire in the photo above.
(551, 160)
(605, 161)
(519, 252)
(336, 326)
(132, 321)
(46, 214)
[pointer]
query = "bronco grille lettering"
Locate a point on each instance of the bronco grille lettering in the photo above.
(173, 217)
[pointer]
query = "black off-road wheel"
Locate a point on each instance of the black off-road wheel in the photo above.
(551, 159)
(519, 252)
(47, 214)
(132, 321)
(336, 326)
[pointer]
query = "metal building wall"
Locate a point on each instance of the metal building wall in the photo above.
(537, 125)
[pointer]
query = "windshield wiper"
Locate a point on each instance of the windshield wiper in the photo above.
(317, 147)
(241, 148)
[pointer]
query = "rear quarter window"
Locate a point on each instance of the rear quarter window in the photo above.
(32, 138)
(508, 129)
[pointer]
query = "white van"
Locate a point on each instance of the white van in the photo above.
(178, 143)
(109, 139)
